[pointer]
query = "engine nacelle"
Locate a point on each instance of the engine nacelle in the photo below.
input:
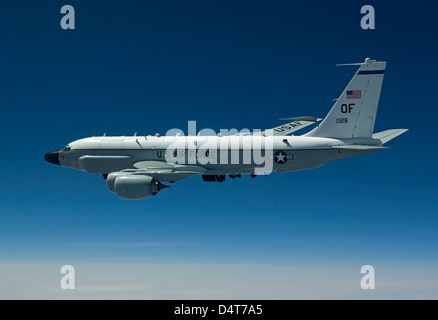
(111, 179)
(133, 186)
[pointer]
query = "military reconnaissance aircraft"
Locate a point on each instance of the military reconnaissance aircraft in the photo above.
(135, 167)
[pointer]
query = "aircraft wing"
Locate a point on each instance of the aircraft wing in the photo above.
(163, 171)
(288, 128)
(297, 124)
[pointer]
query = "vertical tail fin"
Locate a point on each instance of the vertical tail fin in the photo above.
(354, 112)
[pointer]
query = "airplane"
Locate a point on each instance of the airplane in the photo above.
(137, 167)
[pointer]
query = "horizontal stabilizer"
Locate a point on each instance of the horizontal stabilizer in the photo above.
(387, 135)
(359, 147)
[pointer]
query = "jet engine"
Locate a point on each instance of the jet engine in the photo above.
(133, 186)
(111, 179)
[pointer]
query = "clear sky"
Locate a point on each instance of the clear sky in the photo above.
(149, 66)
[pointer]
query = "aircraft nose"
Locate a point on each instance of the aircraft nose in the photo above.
(52, 157)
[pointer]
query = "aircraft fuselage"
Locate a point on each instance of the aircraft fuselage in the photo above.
(217, 155)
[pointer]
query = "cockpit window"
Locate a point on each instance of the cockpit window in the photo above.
(67, 148)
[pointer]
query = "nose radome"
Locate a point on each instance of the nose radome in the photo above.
(52, 157)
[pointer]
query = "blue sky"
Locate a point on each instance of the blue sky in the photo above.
(148, 66)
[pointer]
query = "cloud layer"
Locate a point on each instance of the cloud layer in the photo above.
(133, 279)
